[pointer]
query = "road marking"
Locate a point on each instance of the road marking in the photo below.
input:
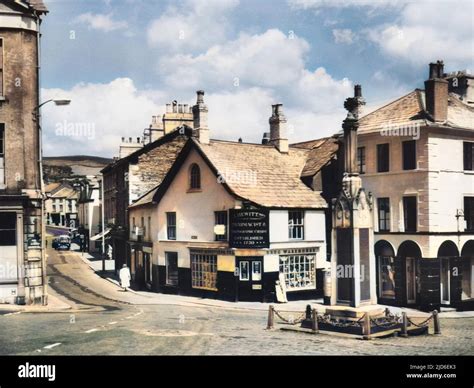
(91, 331)
(113, 323)
(18, 312)
(52, 345)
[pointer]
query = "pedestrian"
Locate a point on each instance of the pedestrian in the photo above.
(125, 277)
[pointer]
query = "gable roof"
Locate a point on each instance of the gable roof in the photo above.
(61, 190)
(320, 153)
(183, 131)
(411, 109)
(256, 173)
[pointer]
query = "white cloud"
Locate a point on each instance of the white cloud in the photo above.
(345, 35)
(101, 22)
(201, 24)
(319, 4)
(427, 31)
(98, 116)
(270, 59)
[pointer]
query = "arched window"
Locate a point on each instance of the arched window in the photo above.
(195, 177)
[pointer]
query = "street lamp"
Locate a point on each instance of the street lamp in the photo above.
(37, 118)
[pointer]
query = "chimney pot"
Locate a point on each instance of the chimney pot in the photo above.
(200, 96)
(357, 91)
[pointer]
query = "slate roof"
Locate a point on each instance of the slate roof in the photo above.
(321, 152)
(61, 190)
(277, 175)
(410, 109)
(37, 5)
(268, 178)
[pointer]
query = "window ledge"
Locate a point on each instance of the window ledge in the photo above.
(190, 191)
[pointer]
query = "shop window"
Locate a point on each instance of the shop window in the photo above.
(171, 225)
(410, 214)
(299, 272)
(296, 225)
(7, 229)
(469, 213)
(204, 271)
(409, 155)
(244, 273)
(256, 271)
(468, 156)
(171, 268)
(383, 157)
(361, 160)
(383, 205)
(387, 277)
(221, 219)
(195, 177)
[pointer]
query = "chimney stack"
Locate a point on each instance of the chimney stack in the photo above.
(436, 93)
(278, 129)
(200, 115)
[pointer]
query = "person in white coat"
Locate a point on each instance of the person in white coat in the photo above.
(125, 277)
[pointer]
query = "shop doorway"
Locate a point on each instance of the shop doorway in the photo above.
(250, 279)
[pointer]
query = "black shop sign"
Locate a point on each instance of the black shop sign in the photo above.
(249, 228)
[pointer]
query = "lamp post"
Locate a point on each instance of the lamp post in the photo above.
(37, 118)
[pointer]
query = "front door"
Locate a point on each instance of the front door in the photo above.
(411, 280)
(445, 281)
(250, 278)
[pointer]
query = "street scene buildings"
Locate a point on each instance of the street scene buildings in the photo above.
(369, 217)
(22, 219)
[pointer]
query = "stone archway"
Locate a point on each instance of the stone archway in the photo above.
(450, 272)
(467, 265)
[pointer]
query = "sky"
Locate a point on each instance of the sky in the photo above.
(121, 61)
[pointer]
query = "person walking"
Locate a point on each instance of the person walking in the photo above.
(125, 277)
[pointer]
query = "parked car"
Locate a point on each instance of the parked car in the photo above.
(62, 242)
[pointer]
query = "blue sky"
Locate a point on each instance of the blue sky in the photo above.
(120, 61)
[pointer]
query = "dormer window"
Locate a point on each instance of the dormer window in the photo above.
(195, 177)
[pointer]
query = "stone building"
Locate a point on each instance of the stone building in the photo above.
(234, 220)
(22, 259)
(416, 156)
(61, 205)
(89, 207)
(142, 164)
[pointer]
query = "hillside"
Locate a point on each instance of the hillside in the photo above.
(58, 168)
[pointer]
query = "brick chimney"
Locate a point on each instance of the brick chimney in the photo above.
(200, 113)
(436, 93)
(278, 129)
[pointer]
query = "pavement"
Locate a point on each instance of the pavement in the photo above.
(93, 316)
(85, 271)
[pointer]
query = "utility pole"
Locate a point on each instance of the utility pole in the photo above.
(103, 220)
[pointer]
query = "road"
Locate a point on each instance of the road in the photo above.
(100, 325)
